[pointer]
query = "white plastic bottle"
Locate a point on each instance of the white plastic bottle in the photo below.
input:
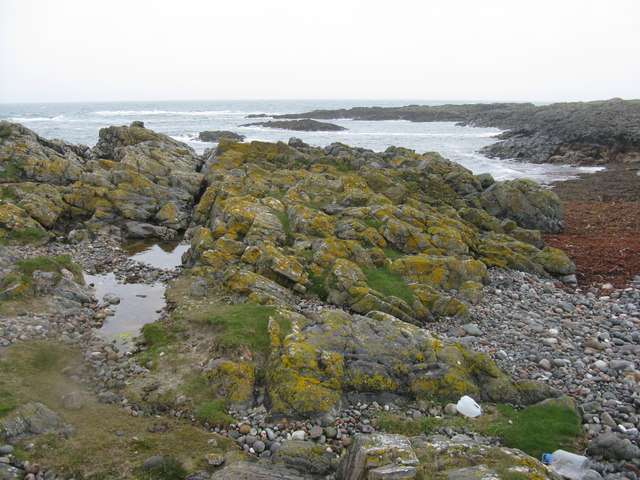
(569, 465)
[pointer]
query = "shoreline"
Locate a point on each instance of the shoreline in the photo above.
(602, 225)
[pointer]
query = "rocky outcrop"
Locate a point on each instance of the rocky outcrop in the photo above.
(384, 456)
(332, 353)
(575, 133)
(299, 125)
(140, 181)
(216, 135)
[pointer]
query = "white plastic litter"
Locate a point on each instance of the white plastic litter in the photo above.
(468, 407)
(569, 465)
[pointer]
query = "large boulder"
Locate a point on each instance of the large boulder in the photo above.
(333, 352)
(525, 202)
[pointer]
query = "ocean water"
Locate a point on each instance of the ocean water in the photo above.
(81, 122)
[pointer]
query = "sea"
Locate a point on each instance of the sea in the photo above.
(183, 120)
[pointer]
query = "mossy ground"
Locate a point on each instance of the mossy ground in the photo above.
(32, 372)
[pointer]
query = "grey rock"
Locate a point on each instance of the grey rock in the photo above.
(377, 450)
(73, 401)
(473, 330)
(480, 472)
(6, 449)
(153, 462)
(612, 447)
(30, 419)
(306, 457)
(217, 135)
(9, 472)
(258, 471)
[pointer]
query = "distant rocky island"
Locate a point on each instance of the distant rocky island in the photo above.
(305, 125)
(334, 307)
(584, 133)
(217, 135)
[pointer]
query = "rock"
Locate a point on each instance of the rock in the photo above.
(472, 329)
(306, 457)
(9, 472)
(107, 397)
(312, 374)
(153, 463)
(481, 472)
(73, 401)
(612, 447)
(217, 135)
(316, 432)
(368, 453)
(137, 124)
(30, 419)
(258, 471)
(6, 449)
(526, 203)
(302, 125)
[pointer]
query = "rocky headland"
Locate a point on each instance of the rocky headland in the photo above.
(305, 125)
(584, 133)
(333, 306)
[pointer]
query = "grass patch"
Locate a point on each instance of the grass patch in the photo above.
(243, 324)
(214, 412)
(23, 375)
(284, 219)
(7, 402)
(28, 235)
(374, 223)
(317, 285)
(537, 429)
(392, 253)
(388, 283)
(50, 264)
(10, 171)
(392, 423)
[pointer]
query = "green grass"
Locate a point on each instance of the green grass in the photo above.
(374, 223)
(244, 324)
(284, 219)
(537, 429)
(28, 235)
(11, 172)
(392, 423)
(214, 413)
(388, 283)
(50, 264)
(7, 402)
(392, 253)
(317, 284)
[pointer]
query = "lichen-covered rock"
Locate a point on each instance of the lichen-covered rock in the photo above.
(306, 457)
(16, 219)
(526, 203)
(233, 381)
(332, 352)
(258, 471)
(24, 155)
(446, 273)
(463, 459)
(369, 455)
(310, 222)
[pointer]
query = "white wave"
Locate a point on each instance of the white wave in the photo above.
(36, 119)
(127, 113)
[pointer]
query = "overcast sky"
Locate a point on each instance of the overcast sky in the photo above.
(539, 50)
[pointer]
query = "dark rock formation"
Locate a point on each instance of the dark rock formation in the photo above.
(216, 135)
(576, 133)
(300, 125)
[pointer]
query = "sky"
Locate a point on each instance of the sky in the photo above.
(475, 50)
